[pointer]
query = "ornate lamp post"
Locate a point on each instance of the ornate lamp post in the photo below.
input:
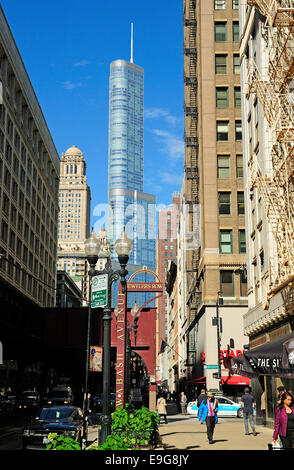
(123, 247)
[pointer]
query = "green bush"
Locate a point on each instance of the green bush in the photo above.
(131, 428)
(62, 442)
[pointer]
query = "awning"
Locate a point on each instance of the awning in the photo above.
(235, 380)
(199, 380)
(275, 358)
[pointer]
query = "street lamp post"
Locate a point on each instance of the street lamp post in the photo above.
(219, 301)
(123, 247)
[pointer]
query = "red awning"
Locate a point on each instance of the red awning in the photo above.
(199, 380)
(235, 380)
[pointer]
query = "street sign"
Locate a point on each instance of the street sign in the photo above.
(211, 366)
(99, 291)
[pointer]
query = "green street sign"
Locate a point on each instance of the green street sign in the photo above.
(99, 291)
(211, 367)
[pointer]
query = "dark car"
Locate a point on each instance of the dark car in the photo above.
(60, 396)
(98, 401)
(67, 420)
(29, 399)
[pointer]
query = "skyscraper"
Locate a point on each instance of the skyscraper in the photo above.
(74, 217)
(129, 206)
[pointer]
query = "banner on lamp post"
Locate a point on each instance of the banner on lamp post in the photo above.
(95, 359)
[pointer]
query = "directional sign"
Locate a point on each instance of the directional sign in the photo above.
(99, 291)
(211, 366)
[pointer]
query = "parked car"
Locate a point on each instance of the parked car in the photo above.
(226, 407)
(30, 399)
(60, 396)
(67, 420)
(5, 403)
(97, 401)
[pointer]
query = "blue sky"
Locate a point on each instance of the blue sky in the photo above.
(67, 47)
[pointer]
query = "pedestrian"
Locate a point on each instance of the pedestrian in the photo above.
(284, 421)
(161, 407)
(262, 408)
(183, 403)
(281, 390)
(201, 397)
(248, 404)
(208, 413)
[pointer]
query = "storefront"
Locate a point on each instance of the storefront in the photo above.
(268, 366)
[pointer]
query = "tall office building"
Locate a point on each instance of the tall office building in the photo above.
(213, 180)
(29, 173)
(74, 217)
(129, 205)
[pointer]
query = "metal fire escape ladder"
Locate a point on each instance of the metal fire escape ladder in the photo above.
(191, 146)
(276, 95)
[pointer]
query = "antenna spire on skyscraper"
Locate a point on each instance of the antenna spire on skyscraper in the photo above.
(132, 44)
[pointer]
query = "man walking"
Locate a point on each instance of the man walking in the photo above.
(248, 404)
(183, 403)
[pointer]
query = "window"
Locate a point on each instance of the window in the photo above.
(236, 31)
(220, 31)
(240, 202)
(242, 241)
(227, 283)
(226, 241)
(222, 97)
(239, 166)
(238, 130)
(221, 64)
(223, 166)
(237, 97)
(222, 131)
(224, 203)
(220, 4)
(235, 4)
(243, 284)
(236, 64)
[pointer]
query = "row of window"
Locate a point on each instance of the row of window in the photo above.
(221, 64)
(224, 166)
(225, 203)
(223, 4)
(226, 241)
(227, 283)
(223, 131)
(222, 97)
(221, 31)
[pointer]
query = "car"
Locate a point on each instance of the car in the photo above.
(67, 420)
(30, 399)
(60, 396)
(226, 407)
(98, 401)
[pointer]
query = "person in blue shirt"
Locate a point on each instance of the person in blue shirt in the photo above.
(208, 413)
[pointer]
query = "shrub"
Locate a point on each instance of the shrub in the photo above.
(62, 442)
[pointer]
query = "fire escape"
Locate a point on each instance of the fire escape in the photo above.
(274, 87)
(191, 157)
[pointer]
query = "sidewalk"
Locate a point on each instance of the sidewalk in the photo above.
(186, 432)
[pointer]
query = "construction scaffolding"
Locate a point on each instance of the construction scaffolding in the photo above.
(274, 88)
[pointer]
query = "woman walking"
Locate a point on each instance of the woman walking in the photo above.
(161, 407)
(284, 421)
(208, 413)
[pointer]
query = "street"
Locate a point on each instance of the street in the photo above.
(186, 432)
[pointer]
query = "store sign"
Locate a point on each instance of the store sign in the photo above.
(99, 291)
(224, 353)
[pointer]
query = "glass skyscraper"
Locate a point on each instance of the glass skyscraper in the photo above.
(129, 206)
